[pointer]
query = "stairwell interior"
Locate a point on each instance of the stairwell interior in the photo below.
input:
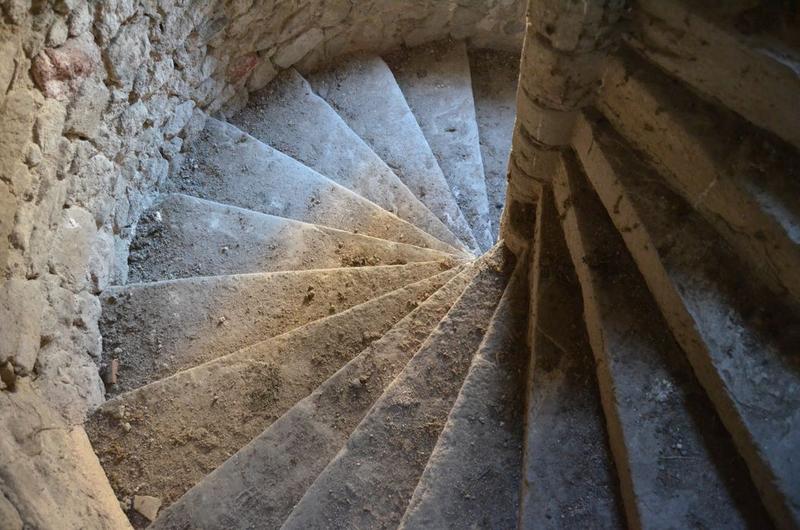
(400, 264)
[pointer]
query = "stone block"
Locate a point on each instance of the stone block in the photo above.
(560, 80)
(127, 52)
(86, 108)
(289, 54)
(20, 312)
(546, 126)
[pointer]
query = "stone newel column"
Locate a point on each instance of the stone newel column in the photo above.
(562, 62)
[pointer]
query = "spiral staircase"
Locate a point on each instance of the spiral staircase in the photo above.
(322, 330)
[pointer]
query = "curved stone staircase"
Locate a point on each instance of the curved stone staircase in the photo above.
(321, 332)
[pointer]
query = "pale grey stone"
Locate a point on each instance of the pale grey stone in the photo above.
(180, 117)
(21, 313)
(127, 52)
(290, 53)
(85, 110)
(58, 32)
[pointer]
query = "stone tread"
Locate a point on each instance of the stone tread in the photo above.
(568, 471)
(157, 329)
(740, 340)
(227, 165)
(183, 236)
(193, 421)
(745, 182)
(260, 484)
(437, 85)
(494, 87)
(288, 116)
(659, 417)
(397, 435)
(756, 76)
(472, 478)
(363, 90)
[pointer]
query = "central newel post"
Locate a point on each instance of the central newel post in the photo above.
(563, 58)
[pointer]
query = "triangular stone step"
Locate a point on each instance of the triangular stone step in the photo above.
(745, 182)
(364, 92)
(288, 116)
(494, 87)
(183, 236)
(259, 485)
(659, 417)
(163, 438)
(229, 166)
(436, 82)
(472, 478)
(568, 471)
(371, 480)
(157, 329)
(740, 339)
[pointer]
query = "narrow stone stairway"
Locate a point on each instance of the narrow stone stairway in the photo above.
(321, 329)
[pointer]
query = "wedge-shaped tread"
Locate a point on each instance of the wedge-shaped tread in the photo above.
(494, 87)
(658, 415)
(182, 236)
(745, 182)
(259, 485)
(372, 479)
(436, 82)
(364, 92)
(192, 422)
(740, 339)
(568, 476)
(288, 116)
(157, 329)
(472, 478)
(229, 166)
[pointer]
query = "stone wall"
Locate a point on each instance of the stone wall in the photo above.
(97, 100)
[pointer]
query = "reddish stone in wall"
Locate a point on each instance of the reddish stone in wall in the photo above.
(242, 66)
(58, 71)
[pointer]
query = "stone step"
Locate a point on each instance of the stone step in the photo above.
(757, 76)
(494, 87)
(259, 485)
(437, 85)
(193, 421)
(677, 465)
(364, 92)
(745, 182)
(472, 478)
(568, 476)
(371, 480)
(740, 339)
(288, 116)
(183, 236)
(229, 166)
(157, 329)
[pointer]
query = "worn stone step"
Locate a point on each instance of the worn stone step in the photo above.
(745, 182)
(183, 236)
(741, 340)
(757, 75)
(157, 329)
(288, 116)
(371, 480)
(494, 87)
(259, 485)
(677, 464)
(472, 478)
(437, 85)
(193, 421)
(229, 166)
(568, 476)
(364, 92)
